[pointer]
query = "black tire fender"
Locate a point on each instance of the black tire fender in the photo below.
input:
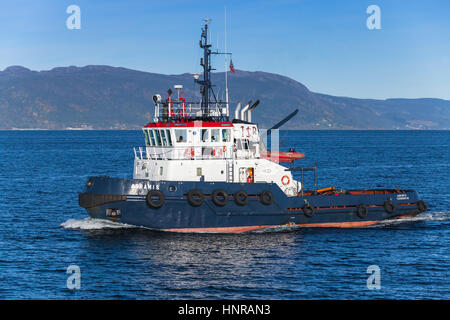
(389, 206)
(266, 197)
(362, 211)
(241, 198)
(422, 206)
(195, 197)
(220, 197)
(308, 210)
(155, 203)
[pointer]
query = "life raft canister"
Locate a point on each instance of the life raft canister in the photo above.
(155, 203)
(285, 180)
(189, 153)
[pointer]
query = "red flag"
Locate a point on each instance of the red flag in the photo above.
(231, 66)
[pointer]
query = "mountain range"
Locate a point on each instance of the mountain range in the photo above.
(105, 97)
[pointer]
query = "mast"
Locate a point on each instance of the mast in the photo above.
(226, 65)
(205, 84)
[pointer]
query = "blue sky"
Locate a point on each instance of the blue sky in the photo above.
(325, 45)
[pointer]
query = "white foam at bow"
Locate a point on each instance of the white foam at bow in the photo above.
(93, 224)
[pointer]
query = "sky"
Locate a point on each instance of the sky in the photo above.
(325, 45)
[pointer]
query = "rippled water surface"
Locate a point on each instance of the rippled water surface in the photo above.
(43, 231)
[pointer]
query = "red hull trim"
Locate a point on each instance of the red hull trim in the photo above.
(353, 224)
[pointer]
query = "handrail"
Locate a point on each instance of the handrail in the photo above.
(302, 170)
(181, 110)
(190, 152)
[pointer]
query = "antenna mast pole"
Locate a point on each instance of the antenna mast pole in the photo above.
(205, 63)
(226, 62)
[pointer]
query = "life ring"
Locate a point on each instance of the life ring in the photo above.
(362, 211)
(195, 197)
(308, 210)
(241, 198)
(266, 197)
(220, 197)
(285, 180)
(155, 203)
(189, 153)
(422, 206)
(389, 206)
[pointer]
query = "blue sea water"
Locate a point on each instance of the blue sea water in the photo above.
(43, 230)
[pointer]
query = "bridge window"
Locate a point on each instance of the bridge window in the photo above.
(151, 136)
(147, 141)
(157, 137)
(164, 137)
(215, 135)
(205, 135)
(225, 135)
(169, 138)
(180, 135)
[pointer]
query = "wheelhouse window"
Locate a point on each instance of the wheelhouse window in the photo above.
(181, 135)
(147, 141)
(215, 135)
(205, 135)
(151, 136)
(169, 137)
(157, 137)
(164, 137)
(225, 135)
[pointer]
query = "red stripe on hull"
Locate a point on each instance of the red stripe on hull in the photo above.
(251, 228)
(353, 224)
(349, 224)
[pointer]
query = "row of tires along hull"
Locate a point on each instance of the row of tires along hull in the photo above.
(195, 197)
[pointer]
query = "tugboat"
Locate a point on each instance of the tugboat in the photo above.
(200, 171)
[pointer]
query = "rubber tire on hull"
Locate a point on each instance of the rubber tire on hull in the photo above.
(362, 211)
(308, 210)
(266, 197)
(422, 206)
(152, 203)
(220, 197)
(241, 198)
(195, 197)
(389, 206)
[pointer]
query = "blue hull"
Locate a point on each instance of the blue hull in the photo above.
(124, 200)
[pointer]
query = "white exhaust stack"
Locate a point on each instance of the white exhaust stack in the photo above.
(236, 112)
(243, 111)
(249, 113)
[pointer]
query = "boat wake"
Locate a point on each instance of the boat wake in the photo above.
(99, 224)
(94, 224)
(428, 216)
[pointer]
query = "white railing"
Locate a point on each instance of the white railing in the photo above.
(191, 153)
(181, 110)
